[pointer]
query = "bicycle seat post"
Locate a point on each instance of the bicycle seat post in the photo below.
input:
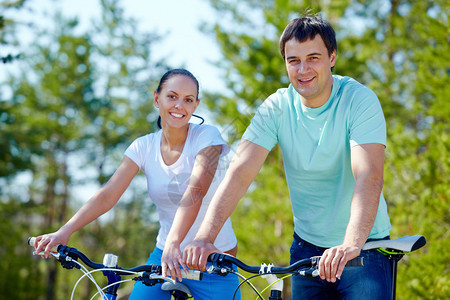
(394, 259)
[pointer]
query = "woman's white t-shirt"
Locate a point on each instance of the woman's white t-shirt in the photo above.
(167, 184)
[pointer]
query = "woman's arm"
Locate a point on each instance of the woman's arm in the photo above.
(202, 175)
(105, 198)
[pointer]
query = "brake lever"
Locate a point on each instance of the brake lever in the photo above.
(310, 273)
(150, 279)
(222, 271)
(161, 277)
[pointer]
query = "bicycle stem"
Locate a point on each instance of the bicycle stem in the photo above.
(275, 283)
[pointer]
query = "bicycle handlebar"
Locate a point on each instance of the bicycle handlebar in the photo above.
(221, 260)
(65, 251)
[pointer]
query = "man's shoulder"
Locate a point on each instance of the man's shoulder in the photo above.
(281, 97)
(351, 85)
(353, 92)
(285, 92)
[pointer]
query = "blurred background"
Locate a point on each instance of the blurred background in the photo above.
(76, 88)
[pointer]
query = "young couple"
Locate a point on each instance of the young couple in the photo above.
(332, 133)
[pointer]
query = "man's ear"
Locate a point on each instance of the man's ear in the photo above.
(333, 58)
(156, 98)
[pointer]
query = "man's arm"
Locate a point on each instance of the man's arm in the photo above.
(367, 165)
(243, 169)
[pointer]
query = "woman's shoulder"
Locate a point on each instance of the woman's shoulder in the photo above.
(204, 129)
(147, 139)
(204, 135)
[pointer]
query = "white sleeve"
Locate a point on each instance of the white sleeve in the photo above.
(137, 151)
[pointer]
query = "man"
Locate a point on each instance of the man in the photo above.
(332, 134)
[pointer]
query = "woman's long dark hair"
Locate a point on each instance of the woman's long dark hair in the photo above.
(171, 73)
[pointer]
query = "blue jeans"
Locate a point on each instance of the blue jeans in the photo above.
(212, 286)
(370, 282)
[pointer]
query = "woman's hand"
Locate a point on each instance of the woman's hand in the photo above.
(171, 261)
(47, 241)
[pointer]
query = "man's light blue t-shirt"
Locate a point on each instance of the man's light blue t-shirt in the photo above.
(316, 145)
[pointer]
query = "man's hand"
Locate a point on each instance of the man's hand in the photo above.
(196, 253)
(333, 261)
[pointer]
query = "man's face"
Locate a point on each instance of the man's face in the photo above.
(309, 68)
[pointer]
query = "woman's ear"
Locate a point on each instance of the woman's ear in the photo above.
(155, 99)
(197, 103)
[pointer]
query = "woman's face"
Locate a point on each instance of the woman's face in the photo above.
(177, 101)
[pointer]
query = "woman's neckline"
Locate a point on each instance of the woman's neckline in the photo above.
(181, 152)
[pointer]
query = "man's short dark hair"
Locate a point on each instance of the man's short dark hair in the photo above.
(306, 28)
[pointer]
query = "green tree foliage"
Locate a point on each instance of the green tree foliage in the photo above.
(403, 57)
(397, 48)
(79, 101)
(7, 28)
(12, 159)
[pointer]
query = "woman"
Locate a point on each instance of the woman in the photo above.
(184, 166)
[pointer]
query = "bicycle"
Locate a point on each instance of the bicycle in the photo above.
(148, 274)
(394, 249)
(222, 264)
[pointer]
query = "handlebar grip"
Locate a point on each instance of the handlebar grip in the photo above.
(32, 240)
(190, 274)
(356, 262)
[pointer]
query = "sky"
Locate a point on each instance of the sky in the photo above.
(177, 20)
